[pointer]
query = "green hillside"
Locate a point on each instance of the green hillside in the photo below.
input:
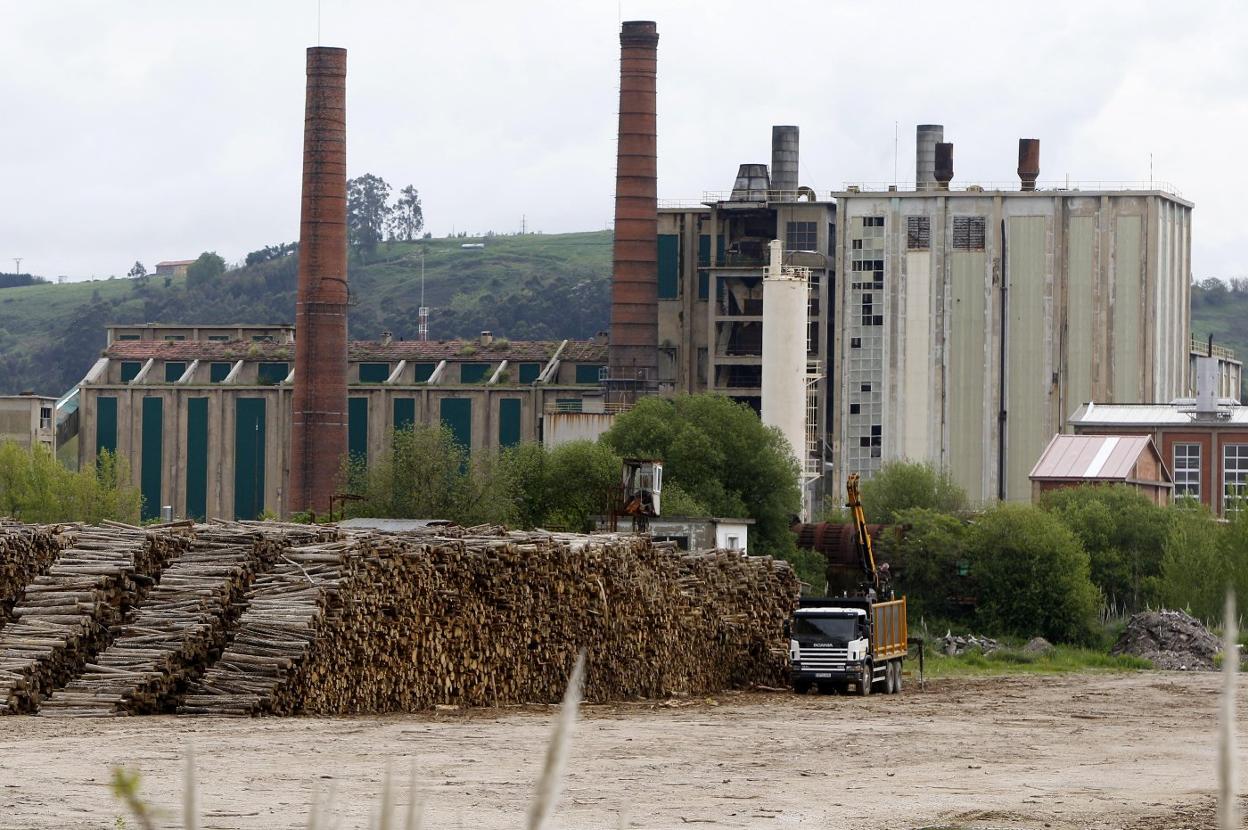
(522, 287)
(1222, 311)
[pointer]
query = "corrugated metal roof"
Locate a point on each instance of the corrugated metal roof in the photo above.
(577, 351)
(1091, 457)
(1151, 415)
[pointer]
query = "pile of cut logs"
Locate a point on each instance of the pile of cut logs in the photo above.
(481, 617)
(26, 551)
(182, 625)
(66, 615)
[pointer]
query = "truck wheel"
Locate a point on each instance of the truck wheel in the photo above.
(865, 680)
(801, 687)
(890, 683)
(897, 678)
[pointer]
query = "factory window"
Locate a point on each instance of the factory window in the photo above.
(855, 342)
(873, 221)
(529, 372)
(130, 370)
(473, 372)
(374, 372)
(855, 245)
(271, 374)
(874, 267)
(918, 233)
(669, 266)
(262, 338)
(219, 338)
(218, 372)
(866, 387)
(175, 337)
(1234, 476)
(1187, 471)
(855, 408)
(424, 371)
(174, 371)
(587, 372)
(968, 233)
(129, 337)
(45, 417)
(802, 236)
(869, 317)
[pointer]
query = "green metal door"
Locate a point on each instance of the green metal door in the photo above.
(456, 415)
(152, 456)
(404, 413)
(508, 422)
(106, 424)
(357, 429)
(248, 458)
(197, 458)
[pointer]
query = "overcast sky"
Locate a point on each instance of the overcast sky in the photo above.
(156, 130)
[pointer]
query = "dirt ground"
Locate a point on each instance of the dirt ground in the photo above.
(1093, 751)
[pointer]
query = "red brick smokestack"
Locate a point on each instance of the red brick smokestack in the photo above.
(318, 438)
(634, 345)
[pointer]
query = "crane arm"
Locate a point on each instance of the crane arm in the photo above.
(862, 538)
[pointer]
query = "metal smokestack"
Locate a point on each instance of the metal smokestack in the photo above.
(944, 165)
(319, 424)
(1028, 162)
(634, 349)
(784, 162)
(926, 137)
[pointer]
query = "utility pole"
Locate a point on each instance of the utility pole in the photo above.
(17, 260)
(522, 224)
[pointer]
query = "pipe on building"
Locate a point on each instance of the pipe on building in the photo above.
(319, 405)
(926, 137)
(633, 353)
(944, 165)
(784, 158)
(1028, 162)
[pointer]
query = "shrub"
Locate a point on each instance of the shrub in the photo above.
(903, 485)
(1031, 576)
(1199, 560)
(933, 548)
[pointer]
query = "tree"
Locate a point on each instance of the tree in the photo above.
(1124, 534)
(138, 272)
(720, 455)
(933, 549)
(35, 487)
(1215, 291)
(408, 218)
(563, 487)
(903, 485)
(205, 270)
(368, 208)
(1031, 576)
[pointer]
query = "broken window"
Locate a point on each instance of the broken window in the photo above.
(918, 233)
(968, 233)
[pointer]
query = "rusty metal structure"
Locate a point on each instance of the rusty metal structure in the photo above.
(634, 344)
(1028, 162)
(319, 404)
(944, 165)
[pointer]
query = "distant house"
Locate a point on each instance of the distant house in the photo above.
(27, 419)
(1071, 460)
(173, 267)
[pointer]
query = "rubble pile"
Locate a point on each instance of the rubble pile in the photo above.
(955, 645)
(1172, 640)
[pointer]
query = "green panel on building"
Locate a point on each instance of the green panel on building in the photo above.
(271, 374)
(174, 371)
(130, 370)
(197, 458)
(151, 460)
(106, 424)
(587, 372)
(704, 260)
(374, 372)
(473, 372)
(404, 412)
(669, 266)
(357, 428)
(456, 414)
(424, 371)
(529, 372)
(218, 372)
(248, 458)
(508, 422)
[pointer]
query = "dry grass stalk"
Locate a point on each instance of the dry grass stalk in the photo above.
(547, 796)
(1228, 814)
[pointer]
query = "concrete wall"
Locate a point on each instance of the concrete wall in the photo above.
(20, 421)
(1074, 296)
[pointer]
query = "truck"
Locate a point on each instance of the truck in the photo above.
(859, 638)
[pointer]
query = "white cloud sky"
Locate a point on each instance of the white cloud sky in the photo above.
(149, 129)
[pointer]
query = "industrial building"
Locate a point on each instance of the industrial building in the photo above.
(1203, 440)
(27, 420)
(956, 324)
(206, 424)
(1077, 460)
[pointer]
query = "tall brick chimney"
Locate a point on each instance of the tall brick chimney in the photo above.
(634, 345)
(319, 432)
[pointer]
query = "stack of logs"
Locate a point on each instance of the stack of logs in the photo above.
(26, 551)
(181, 627)
(66, 615)
(384, 622)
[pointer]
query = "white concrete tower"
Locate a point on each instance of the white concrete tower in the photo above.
(785, 304)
